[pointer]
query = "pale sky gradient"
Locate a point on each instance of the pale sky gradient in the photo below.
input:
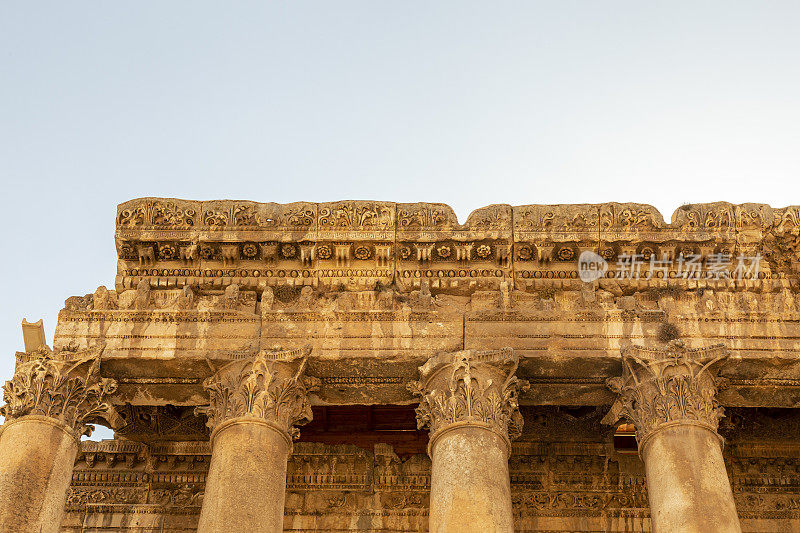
(467, 103)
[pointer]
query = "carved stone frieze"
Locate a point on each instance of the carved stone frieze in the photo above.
(360, 244)
(82, 496)
(671, 384)
(269, 386)
(70, 391)
(573, 478)
(180, 496)
(472, 387)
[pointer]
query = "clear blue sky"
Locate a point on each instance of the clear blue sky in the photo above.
(460, 102)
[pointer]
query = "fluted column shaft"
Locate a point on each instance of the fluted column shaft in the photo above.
(255, 405)
(468, 400)
(48, 403)
(669, 395)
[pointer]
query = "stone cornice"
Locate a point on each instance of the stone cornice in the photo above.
(667, 386)
(176, 243)
(431, 221)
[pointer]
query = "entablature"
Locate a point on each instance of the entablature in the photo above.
(366, 346)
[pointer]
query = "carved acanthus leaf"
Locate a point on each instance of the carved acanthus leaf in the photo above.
(270, 386)
(470, 386)
(71, 392)
(667, 385)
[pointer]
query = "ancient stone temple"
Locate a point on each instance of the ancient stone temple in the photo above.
(377, 366)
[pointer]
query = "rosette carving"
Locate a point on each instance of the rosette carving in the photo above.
(270, 387)
(71, 392)
(659, 386)
(470, 386)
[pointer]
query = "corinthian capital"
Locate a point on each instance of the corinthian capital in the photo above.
(670, 385)
(270, 386)
(478, 387)
(70, 391)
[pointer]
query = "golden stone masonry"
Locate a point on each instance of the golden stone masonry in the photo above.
(377, 366)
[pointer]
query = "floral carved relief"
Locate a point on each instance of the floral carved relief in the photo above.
(269, 386)
(470, 386)
(668, 385)
(71, 392)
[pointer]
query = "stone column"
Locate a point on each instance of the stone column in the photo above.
(255, 406)
(669, 395)
(48, 405)
(469, 402)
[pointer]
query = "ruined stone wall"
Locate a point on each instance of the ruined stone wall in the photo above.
(565, 476)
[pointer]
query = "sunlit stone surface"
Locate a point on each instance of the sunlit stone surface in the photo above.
(376, 366)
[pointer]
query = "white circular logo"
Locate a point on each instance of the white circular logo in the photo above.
(591, 266)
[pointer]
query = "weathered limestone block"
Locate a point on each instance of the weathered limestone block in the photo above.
(469, 402)
(669, 395)
(255, 406)
(48, 405)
